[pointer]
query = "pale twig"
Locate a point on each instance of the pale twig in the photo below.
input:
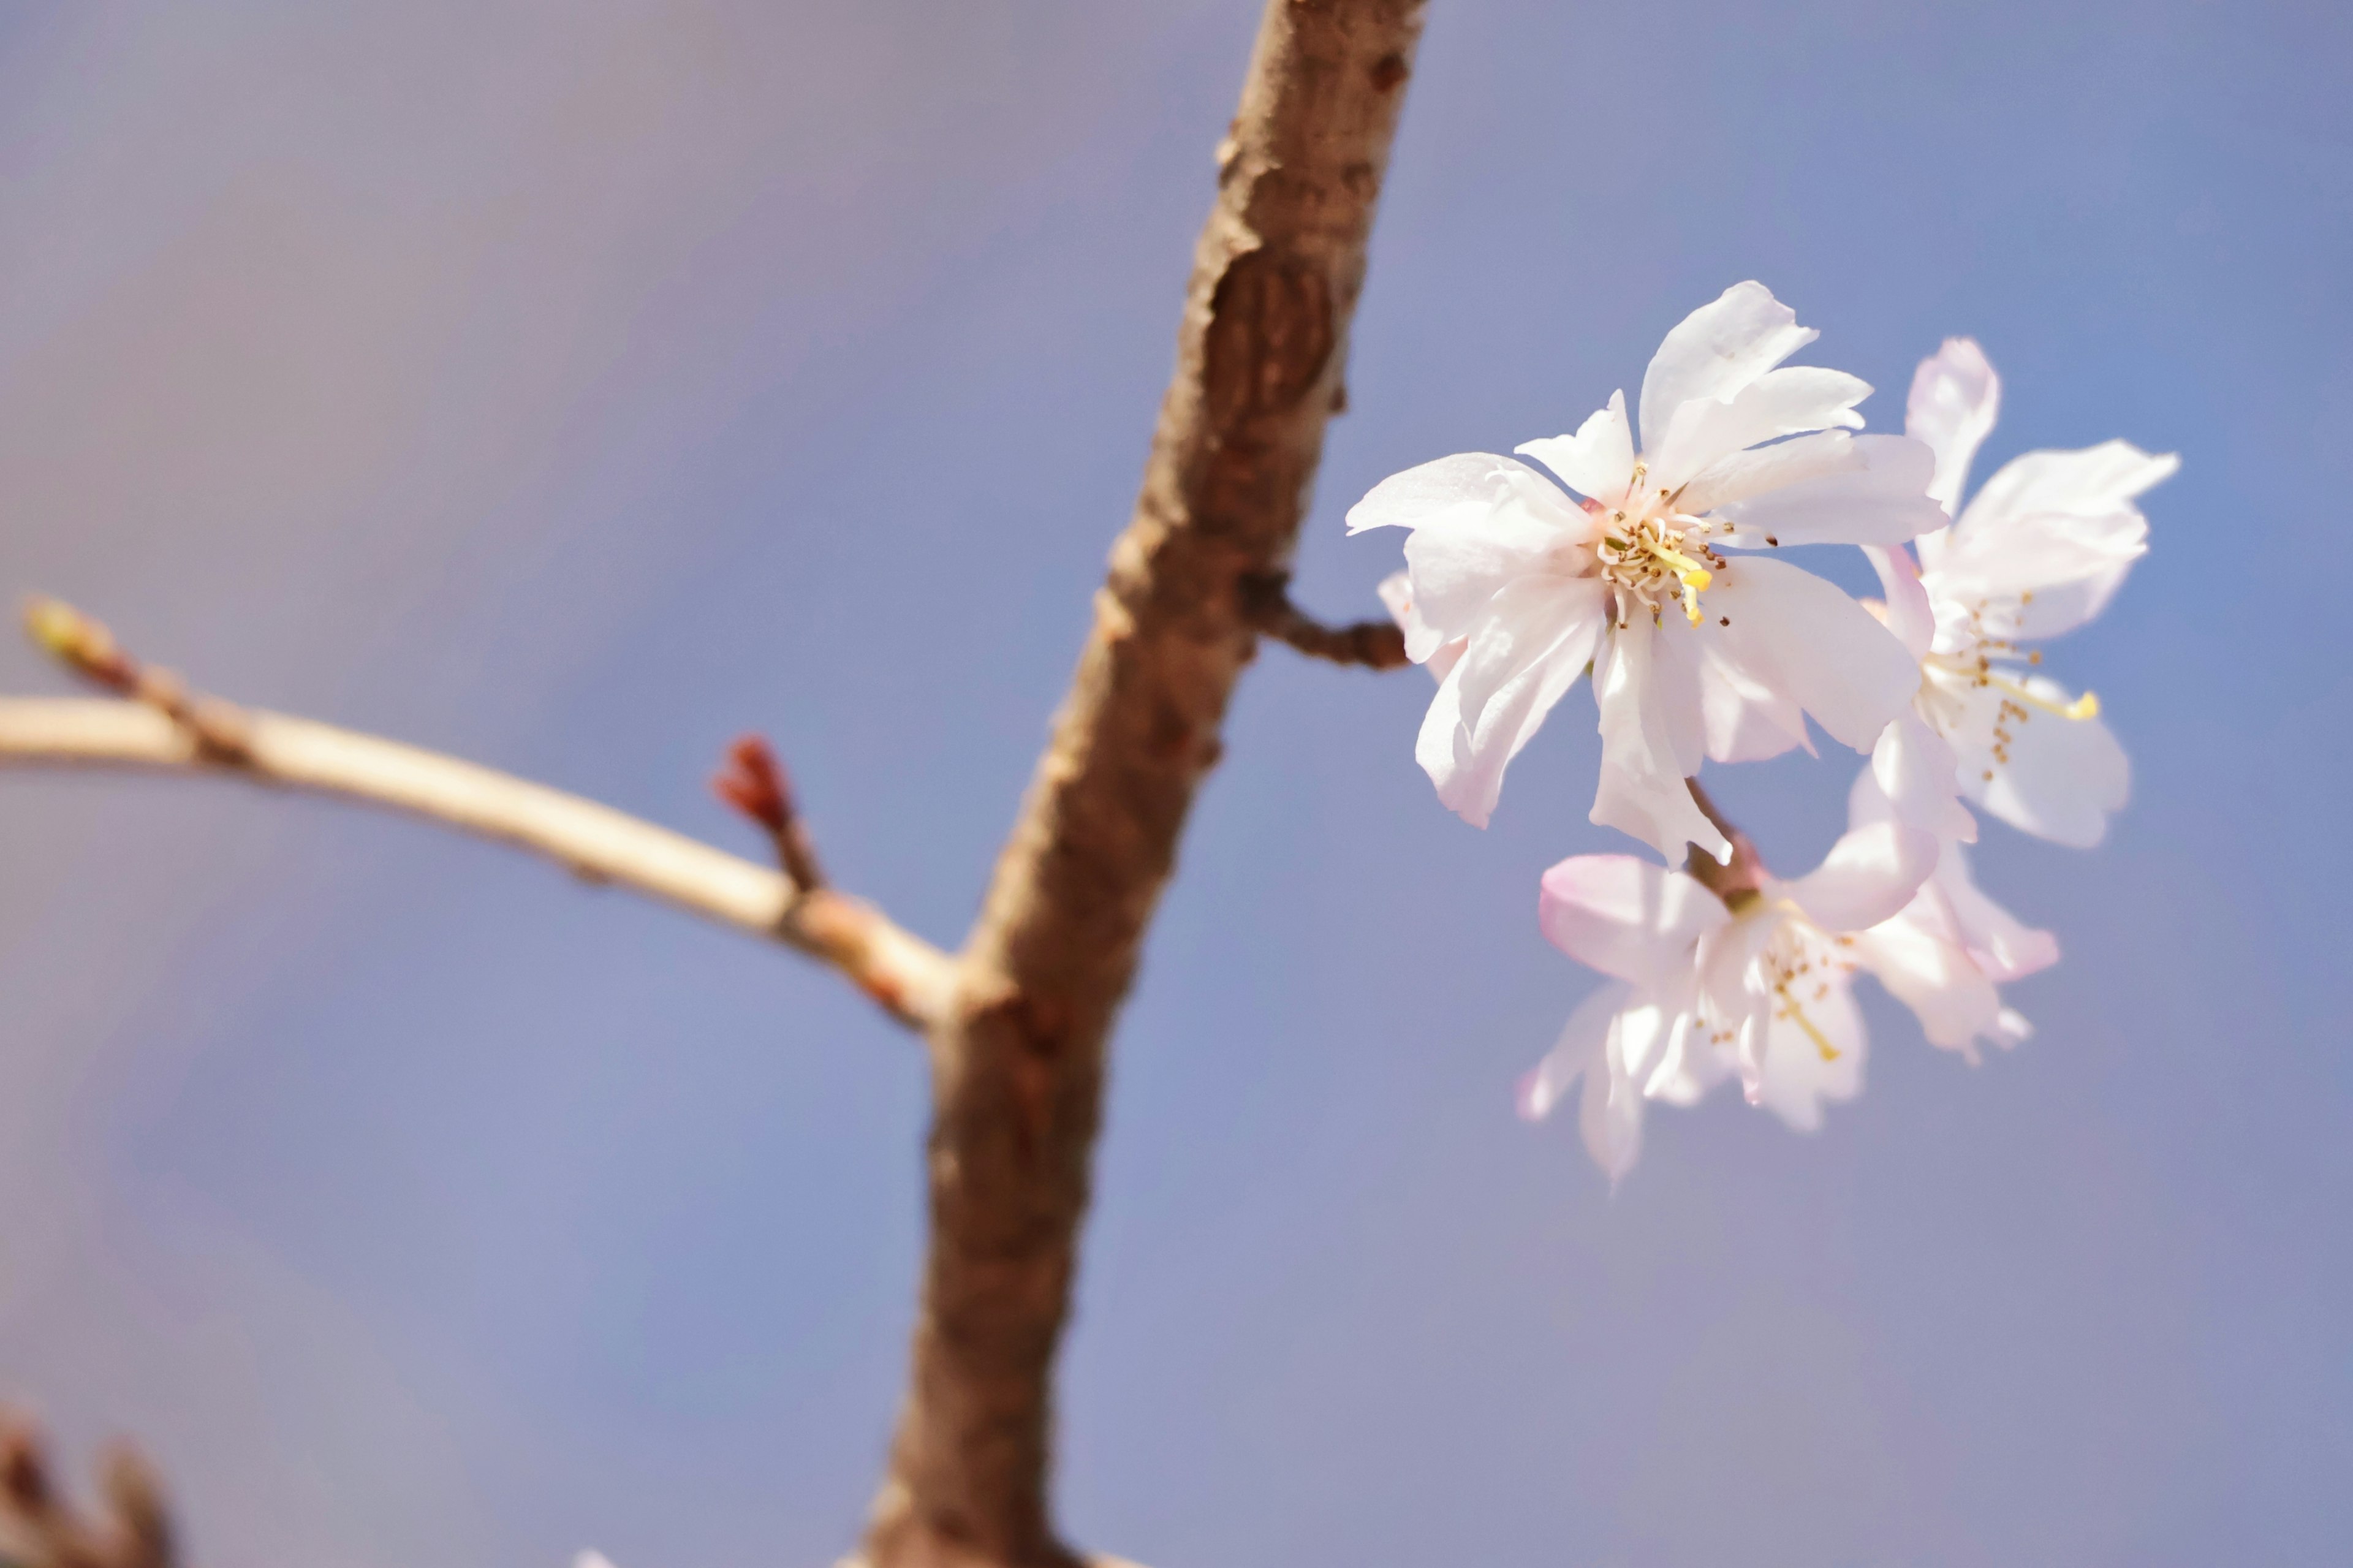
(166, 726)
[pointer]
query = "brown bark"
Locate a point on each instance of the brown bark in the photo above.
(1017, 1064)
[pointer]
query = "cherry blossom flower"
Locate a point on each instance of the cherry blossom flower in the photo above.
(1752, 978)
(1516, 588)
(2039, 551)
(1946, 953)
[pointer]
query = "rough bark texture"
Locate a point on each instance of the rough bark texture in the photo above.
(1019, 1062)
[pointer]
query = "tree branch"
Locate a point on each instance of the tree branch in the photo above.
(1017, 1064)
(1377, 645)
(39, 1529)
(164, 726)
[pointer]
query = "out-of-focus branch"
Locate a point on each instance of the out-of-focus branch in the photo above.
(1377, 645)
(1737, 880)
(162, 725)
(39, 1529)
(1017, 1064)
(754, 783)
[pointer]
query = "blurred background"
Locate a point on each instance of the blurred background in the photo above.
(573, 386)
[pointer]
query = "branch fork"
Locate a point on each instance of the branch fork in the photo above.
(1018, 1023)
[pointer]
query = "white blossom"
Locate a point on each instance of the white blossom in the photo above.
(2040, 549)
(1516, 588)
(1946, 955)
(1756, 983)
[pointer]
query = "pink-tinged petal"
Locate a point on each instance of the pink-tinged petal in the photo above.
(1422, 643)
(2091, 482)
(1915, 771)
(1796, 1075)
(1577, 1052)
(1647, 690)
(2004, 947)
(1869, 874)
(1521, 656)
(1955, 399)
(1744, 476)
(1628, 918)
(1881, 500)
(1910, 615)
(1597, 461)
(1717, 350)
(2038, 771)
(1785, 401)
(1795, 634)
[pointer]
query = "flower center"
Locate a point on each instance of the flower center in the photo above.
(1652, 554)
(1801, 965)
(1978, 660)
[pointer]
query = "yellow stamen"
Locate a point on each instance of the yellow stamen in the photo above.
(2087, 706)
(1693, 575)
(1821, 1041)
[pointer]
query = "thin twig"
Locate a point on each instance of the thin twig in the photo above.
(188, 731)
(1376, 645)
(754, 783)
(1735, 880)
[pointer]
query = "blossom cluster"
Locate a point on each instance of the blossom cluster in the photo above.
(1649, 558)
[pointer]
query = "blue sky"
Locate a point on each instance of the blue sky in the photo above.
(576, 386)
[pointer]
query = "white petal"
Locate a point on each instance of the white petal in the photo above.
(1647, 692)
(1956, 1002)
(1479, 522)
(1422, 642)
(1870, 873)
(1785, 401)
(2089, 482)
(2050, 611)
(1796, 1075)
(2019, 559)
(1522, 653)
(1955, 398)
(1671, 1053)
(1610, 1113)
(1718, 349)
(1744, 720)
(1628, 918)
(1910, 615)
(1799, 636)
(1577, 1051)
(1914, 770)
(1745, 475)
(1882, 499)
(1598, 460)
(2042, 773)
(2004, 947)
